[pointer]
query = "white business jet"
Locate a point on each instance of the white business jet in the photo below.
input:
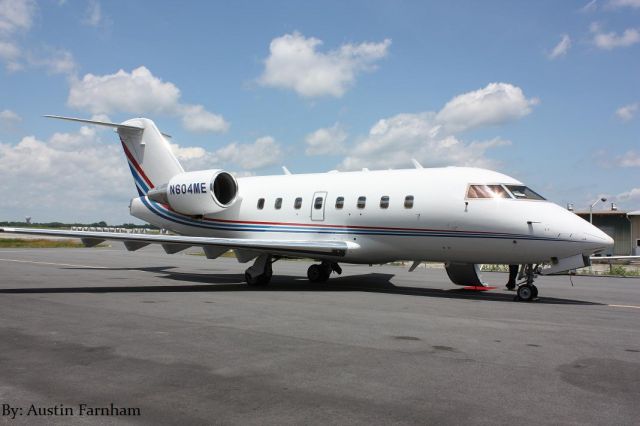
(457, 215)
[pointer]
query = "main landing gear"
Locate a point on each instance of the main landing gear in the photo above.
(320, 273)
(259, 274)
(527, 291)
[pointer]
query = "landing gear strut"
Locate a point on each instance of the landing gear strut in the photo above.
(527, 291)
(513, 276)
(259, 274)
(320, 273)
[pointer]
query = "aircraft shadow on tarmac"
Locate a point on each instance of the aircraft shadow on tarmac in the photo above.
(216, 282)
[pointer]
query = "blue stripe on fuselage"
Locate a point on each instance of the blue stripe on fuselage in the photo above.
(185, 220)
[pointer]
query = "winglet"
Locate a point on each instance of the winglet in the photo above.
(416, 164)
(285, 170)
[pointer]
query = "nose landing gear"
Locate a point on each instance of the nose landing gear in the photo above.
(527, 291)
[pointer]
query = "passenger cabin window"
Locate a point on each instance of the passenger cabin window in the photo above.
(278, 203)
(384, 202)
(487, 191)
(339, 202)
(362, 201)
(317, 204)
(260, 203)
(408, 202)
(297, 203)
(523, 193)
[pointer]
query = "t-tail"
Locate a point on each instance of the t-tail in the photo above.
(148, 151)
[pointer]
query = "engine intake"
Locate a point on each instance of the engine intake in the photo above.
(198, 193)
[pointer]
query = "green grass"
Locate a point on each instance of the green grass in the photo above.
(38, 243)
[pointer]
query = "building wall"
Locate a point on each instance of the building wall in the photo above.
(618, 227)
(635, 233)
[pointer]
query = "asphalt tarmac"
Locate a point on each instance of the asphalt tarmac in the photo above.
(183, 340)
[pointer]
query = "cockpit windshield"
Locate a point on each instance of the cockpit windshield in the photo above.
(522, 192)
(519, 192)
(487, 191)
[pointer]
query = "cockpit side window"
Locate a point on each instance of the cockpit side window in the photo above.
(521, 192)
(487, 191)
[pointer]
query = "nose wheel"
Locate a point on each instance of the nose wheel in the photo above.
(527, 291)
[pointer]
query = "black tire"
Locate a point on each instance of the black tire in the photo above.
(260, 280)
(326, 271)
(316, 274)
(535, 291)
(525, 293)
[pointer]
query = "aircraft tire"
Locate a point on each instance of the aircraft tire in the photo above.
(526, 292)
(317, 274)
(260, 280)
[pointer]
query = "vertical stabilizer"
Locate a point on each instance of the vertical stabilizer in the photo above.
(149, 154)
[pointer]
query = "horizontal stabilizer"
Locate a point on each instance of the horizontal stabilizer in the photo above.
(97, 123)
(103, 123)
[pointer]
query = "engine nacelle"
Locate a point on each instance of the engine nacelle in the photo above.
(198, 193)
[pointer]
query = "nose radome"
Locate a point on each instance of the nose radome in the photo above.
(596, 236)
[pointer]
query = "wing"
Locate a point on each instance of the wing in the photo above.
(614, 259)
(246, 249)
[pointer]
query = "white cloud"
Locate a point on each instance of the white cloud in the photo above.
(629, 159)
(630, 198)
(197, 119)
(393, 141)
(139, 92)
(9, 51)
(431, 137)
(70, 169)
(16, 15)
(294, 63)
(265, 151)
(93, 15)
(55, 61)
(611, 40)
(627, 112)
(86, 170)
(328, 140)
(589, 7)
(8, 117)
(561, 48)
(616, 4)
(497, 103)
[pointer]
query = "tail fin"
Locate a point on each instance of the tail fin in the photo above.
(148, 152)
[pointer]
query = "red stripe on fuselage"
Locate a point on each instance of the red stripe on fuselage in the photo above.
(319, 225)
(135, 164)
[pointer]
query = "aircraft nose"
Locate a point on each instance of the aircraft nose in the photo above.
(596, 238)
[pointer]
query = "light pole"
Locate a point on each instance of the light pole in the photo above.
(604, 200)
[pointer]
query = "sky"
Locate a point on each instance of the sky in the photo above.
(547, 92)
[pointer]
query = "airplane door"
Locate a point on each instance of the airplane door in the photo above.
(318, 205)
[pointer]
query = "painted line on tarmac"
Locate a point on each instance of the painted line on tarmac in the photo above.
(54, 264)
(625, 306)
